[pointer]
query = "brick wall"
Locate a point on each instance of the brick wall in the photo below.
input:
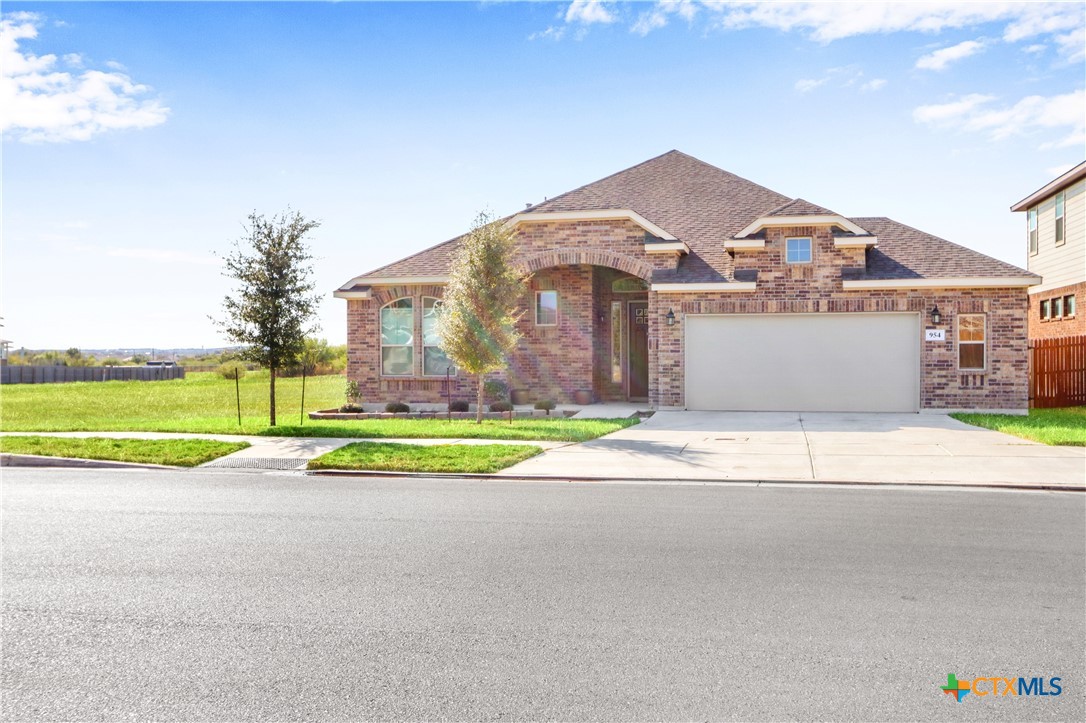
(817, 288)
(1057, 328)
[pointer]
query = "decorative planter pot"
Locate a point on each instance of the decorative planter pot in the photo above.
(582, 396)
(519, 396)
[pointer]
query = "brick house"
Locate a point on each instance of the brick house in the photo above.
(1056, 237)
(681, 285)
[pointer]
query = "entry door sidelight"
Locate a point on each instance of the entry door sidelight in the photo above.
(639, 350)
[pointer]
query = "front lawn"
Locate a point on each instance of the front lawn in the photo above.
(205, 402)
(173, 452)
(544, 429)
(444, 458)
(1066, 426)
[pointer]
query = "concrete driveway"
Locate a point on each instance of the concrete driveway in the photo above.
(822, 447)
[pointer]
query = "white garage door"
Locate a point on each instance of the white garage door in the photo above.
(803, 362)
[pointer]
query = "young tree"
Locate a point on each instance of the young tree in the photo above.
(478, 318)
(274, 306)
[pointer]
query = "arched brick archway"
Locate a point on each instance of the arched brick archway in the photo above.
(587, 257)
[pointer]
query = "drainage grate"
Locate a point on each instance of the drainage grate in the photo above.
(258, 463)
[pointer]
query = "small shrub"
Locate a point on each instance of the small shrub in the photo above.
(547, 404)
(228, 369)
(458, 405)
(397, 408)
(354, 394)
(495, 390)
(501, 407)
(351, 408)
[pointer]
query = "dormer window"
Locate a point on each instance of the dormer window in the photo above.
(1032, 231)
(797, 250)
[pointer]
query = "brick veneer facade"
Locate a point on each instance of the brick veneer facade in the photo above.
(1056, 328)
(582, 259)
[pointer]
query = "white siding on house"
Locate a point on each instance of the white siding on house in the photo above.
(1066, 264)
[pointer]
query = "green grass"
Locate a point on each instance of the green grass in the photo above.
(174, 452)
(555, 429)
(205, 402)
(1066, 426)
(446, 458)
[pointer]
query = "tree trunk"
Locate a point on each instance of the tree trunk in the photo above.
(479, 402)
(272, 396)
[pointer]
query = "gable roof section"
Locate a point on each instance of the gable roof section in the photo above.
(800, 207)
(907, 254)
(703, 206)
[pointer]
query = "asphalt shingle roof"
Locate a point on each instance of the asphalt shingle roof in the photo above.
(704, 205)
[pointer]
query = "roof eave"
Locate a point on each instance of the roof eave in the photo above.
(1075, 175)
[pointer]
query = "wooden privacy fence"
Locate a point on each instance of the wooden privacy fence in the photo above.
(1058, 372)
(57, 374)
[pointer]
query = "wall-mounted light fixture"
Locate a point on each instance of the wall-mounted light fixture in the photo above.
(936, 317)
(670, 317)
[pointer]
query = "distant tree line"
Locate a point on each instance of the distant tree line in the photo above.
(318, 355)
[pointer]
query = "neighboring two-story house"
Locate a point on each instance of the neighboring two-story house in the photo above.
(681, 285)
(1056, 233)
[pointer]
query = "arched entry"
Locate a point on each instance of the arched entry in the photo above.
(599, 344)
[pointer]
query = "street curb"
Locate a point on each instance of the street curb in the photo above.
(690, 482)
(33, 460)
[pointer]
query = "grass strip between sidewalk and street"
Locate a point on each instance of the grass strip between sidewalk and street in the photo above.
(172, 452)
(443, 458)
(1062, 426)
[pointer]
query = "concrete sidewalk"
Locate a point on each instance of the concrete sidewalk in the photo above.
(814, 447)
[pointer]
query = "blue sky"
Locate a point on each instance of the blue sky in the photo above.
(138, 136)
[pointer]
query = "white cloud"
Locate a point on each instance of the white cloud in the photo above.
(873, 85)
(1060, 115)
(940, 59)
(39, 103)
(588, 12)
(658, 16)
(1057, 171)
(1063, 24)
(806, 85)
(551, 33)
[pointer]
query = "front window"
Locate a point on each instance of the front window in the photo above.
(798, 250)
(1069, 305)
(546, 308)
(971, 341)
(398, 338)
(1059, 219)
(434, 361)
(1032, 230)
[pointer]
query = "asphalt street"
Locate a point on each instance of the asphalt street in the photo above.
(211, 595)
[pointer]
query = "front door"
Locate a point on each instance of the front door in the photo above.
(639, 350)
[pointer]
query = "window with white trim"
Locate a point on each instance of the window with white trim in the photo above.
(1069, 305)
(1059, 219)
(434, 360)
(1032, 225)
(398, 338)
(971, 342)
(797, 250)
(1057, 308)
(1046, 310)
(546, 308)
